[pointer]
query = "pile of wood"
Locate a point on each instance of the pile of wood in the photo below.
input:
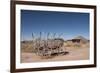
(49, 47)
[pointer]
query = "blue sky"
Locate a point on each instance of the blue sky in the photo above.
(71, 24)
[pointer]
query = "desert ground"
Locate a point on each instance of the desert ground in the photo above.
(75, 53)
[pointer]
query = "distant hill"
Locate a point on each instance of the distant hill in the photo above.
(82, 38)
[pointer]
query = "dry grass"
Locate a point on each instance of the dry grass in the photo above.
(75, 53)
